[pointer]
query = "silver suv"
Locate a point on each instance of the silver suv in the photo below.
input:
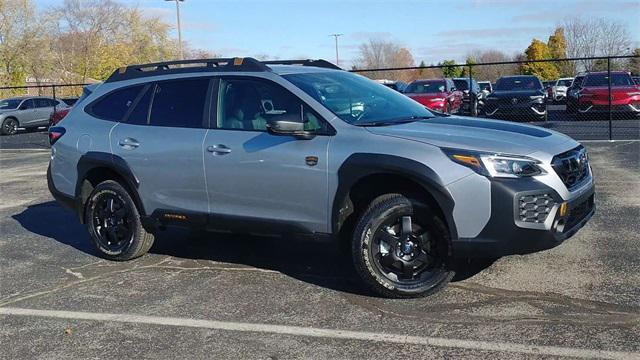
(26, 112)
(304, 148)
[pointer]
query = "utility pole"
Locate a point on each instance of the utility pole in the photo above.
(336, 36)
(179, 30)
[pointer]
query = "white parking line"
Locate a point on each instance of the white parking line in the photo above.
(34, 149)
(325, 333)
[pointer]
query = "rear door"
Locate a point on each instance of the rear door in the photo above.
(160, 139)
(44, 108)
(260, 179)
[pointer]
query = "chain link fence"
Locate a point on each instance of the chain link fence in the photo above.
(600, 104)
(55, 91)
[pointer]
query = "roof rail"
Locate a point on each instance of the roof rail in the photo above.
(196, 65)
(307, 62)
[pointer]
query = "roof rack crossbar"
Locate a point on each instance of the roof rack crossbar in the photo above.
(305, 62)
(172, 67)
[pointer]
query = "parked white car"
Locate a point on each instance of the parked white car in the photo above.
(559, 90)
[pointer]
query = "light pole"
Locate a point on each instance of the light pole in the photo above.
(336, 36)
(179, 31)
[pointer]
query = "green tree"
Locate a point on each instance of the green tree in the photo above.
(449, 70)
(465, 70)
(538, 50)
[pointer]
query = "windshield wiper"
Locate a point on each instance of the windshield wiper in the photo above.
(397, 121)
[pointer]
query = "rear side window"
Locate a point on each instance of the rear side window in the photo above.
(115, 105)
(179, 103)
(140, 114)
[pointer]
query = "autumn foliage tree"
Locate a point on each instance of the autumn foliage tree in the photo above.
(381, 54)
(538, 50)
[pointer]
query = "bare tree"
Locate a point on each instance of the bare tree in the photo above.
(380, 54)
(595, 37)
(491, 72)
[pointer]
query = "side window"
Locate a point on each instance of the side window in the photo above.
(28, 104)
(140, 113)
(179, 103)
(115, 105)
(41, 103)
(249, 104)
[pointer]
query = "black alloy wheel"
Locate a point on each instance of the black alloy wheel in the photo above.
(400, 248)
(9, 126)
(112, 223)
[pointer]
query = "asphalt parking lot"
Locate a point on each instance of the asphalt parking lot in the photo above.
(223, 296)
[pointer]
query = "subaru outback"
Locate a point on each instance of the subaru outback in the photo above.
(305, 148)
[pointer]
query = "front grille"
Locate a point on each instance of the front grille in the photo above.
(535, 208)
(572, 166)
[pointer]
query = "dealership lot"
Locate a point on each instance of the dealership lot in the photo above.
(235, 296)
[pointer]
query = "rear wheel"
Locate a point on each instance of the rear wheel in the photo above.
(474, 108)
(399, 248)
(114, 223)
(9, 126)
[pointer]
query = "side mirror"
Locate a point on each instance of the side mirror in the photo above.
(287, 126)
(22, 107)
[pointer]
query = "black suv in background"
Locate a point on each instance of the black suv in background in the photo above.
(573, 93)
(518, 98)
(472, 96)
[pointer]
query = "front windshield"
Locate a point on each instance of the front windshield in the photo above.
(461, 84)
(7, 104)
(425, 87)
(566, 82)
(603, 80)
(358, 100)
(518, 83)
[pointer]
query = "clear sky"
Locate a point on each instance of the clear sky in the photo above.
(432, 30)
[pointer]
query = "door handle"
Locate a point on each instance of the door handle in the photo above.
(129, 143)
(218, 149)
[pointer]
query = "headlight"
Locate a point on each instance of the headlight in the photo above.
(496, 165)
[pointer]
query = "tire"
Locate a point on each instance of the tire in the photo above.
(376, 268)
(474, 109)
(115, 228)
(9, 126)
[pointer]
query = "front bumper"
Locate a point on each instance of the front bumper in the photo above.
(506, 233)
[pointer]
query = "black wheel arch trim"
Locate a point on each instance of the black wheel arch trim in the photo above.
(95, 159)
(360, 165)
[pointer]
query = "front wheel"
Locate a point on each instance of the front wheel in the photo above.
(399, 248)
(9, 126)
(114, 223)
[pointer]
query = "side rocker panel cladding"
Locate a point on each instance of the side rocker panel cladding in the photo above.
(360, 165)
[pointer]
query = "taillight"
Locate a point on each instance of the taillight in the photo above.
(55, 133)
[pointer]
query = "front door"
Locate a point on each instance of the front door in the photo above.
(28, 114)
(258, 178)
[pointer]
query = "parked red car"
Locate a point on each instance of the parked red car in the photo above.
(594, 96)
(436, 94)
(58, 115)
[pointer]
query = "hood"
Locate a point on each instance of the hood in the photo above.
(517, 93)
(480, 135)
(426, 96)
(617, 92)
